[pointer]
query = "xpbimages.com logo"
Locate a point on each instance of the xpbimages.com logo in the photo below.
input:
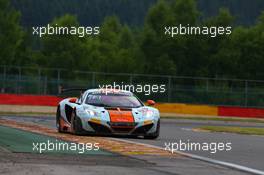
(65, 30)
(212, 31)
(212, 147)
(58, 146)
(147, 89)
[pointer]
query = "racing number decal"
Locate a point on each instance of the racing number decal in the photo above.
(121, 116)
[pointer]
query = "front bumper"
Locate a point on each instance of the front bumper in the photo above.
(120, 128)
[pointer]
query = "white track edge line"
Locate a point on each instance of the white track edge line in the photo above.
(205, 159)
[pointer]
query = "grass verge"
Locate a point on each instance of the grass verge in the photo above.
(238, 130)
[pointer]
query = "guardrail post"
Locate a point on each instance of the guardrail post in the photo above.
(131, 79)
(58, 80)
(45, 85)
(39, 78)
(4, 81)
(19, 80)
(93, 79)
(169, 88)
(246, 93)
(207, 84)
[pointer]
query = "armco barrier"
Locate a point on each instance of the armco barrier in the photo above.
(35, 100)
(240, 112)
(223, 111)
(187, 109)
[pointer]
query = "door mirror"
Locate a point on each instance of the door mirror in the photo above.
(151, 102)
(72, 100)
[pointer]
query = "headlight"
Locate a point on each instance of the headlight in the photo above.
(90, 112)
(149, 114)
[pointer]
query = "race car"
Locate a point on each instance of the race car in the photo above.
(108, 112)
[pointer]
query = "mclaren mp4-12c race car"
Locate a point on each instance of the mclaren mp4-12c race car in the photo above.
(108, 112)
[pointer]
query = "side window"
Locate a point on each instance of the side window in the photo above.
(82, 97)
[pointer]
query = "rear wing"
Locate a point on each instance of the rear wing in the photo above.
(71, 92)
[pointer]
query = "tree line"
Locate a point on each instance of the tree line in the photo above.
(132, 12)
(140, 49)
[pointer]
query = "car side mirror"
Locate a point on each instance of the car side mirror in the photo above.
(151, 102)
(73, 100)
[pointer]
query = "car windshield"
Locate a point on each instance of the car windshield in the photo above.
(113, 100)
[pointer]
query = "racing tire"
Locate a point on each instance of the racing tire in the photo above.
(76, 124)
(58, 116)
(155, 135)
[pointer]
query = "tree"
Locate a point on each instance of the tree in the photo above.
(222, 60)
(249, 43)
(155, 46)
(64, 51)
(188, 50)
(11, 34)
(184, 12)
(115, 50)
(159, 16)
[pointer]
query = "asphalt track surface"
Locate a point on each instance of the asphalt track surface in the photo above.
(246, 150)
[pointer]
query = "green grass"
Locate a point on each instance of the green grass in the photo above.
(238, 130)
(17, 140)
(227, 119)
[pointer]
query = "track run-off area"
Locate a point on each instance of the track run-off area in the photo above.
(127, 155)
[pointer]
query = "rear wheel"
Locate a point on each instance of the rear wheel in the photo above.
(155, 135)
(58, 116)
(76, 124)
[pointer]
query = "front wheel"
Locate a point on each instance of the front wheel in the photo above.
(58, 116)
(155, 135)
(76, 124)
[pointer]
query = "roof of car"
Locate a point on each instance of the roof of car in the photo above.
(112, 91)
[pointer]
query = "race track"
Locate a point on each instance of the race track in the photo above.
(246, 150)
